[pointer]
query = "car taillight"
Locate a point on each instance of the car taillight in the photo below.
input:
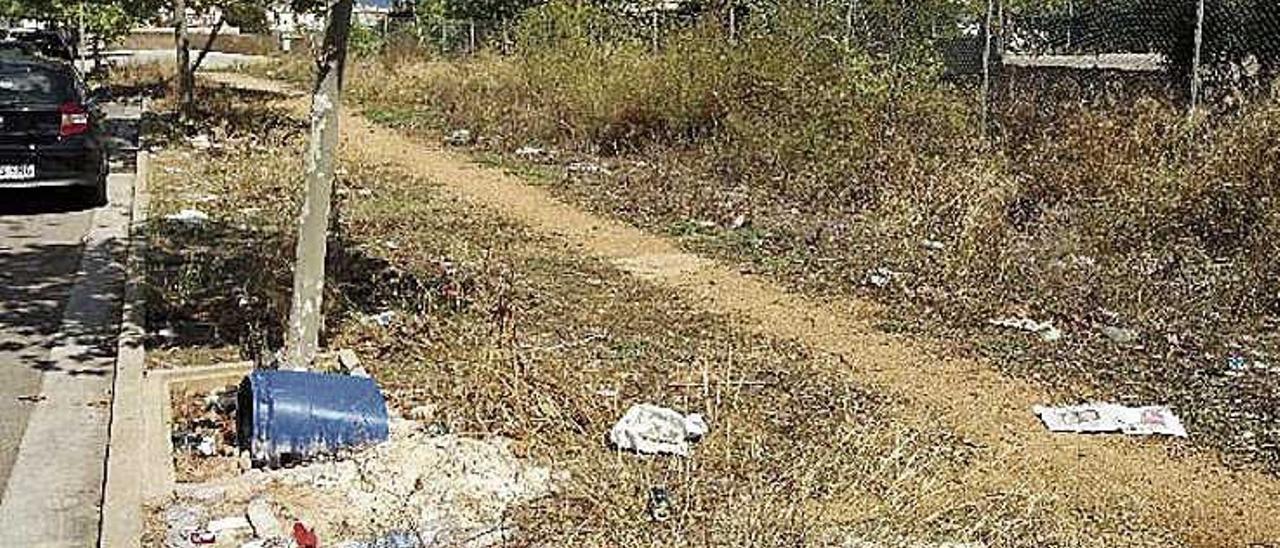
(75, 119)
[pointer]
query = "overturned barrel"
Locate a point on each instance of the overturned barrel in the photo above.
(284, 416)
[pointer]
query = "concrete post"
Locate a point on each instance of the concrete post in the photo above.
(306, 315)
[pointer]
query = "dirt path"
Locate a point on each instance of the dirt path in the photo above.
(1125, 479)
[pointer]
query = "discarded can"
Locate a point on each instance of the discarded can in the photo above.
(659, 504)
(284, 416)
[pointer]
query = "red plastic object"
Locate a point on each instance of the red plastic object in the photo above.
(305, 538)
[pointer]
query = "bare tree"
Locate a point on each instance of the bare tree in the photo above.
(305, 316)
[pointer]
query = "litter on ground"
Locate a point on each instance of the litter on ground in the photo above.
(651, 429)
(188, 216)
(460, 137)
(1112, 418)
(1120, 335)
(1046, 330)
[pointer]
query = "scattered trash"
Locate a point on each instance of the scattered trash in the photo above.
(188, 216)
(228, 524)
(383, 318)
(221, 401)
(202, 537)
(207, 446)
(1046, 330)
(305, 538)
(263, 519)
(186, 440)
(738, 222)
(180, 522)
(423, 413)
(607, 393)
(587, 167)
(1120, 335)
(348, 361)
(651, 429)
(200, 142)
(295, 415)
(881, 277)
(704, 224)
(529, 152)
(459, 137)
(933, 245)
(659, 504)
(393, 540)
(1107, 417)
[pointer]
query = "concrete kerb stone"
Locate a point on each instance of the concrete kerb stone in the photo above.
(158, 389)
(121, 493)
(139, 467)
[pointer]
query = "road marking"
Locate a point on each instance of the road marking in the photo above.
(54, 491)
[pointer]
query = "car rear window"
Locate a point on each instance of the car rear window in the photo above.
(33, 85)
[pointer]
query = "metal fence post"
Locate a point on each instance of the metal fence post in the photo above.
(654, 32)
(1195, 62)
(986, 67)
(1071, 22)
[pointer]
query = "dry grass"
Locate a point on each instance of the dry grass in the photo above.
(1098, 205)
(512, 334)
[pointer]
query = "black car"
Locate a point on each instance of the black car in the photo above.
(48, 43)
(50, 129)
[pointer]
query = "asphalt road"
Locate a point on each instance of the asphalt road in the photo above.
(40, 244)
(60, 291)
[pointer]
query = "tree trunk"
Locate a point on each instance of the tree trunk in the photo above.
(208, 45)
(186, 82)
(305, 316)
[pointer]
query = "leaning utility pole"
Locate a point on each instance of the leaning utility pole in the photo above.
(302, 336)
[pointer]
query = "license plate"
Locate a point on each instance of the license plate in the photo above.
(19, 172)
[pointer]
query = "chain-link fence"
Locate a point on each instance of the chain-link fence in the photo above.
(455, 36)
(1210, 45)
(1195, 47)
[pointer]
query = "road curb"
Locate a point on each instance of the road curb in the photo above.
(125, 468)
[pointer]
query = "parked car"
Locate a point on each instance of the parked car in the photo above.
(45, 42)
(50, 129)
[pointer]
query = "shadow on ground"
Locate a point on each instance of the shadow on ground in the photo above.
(213, 284)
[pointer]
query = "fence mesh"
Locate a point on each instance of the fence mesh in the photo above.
(1239, 39)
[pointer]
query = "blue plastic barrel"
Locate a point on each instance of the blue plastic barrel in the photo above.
(283, 416)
